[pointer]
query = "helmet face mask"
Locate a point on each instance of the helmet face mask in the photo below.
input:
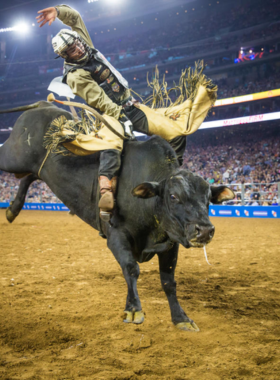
(76, 51)
(69, 45)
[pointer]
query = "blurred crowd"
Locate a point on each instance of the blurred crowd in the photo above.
(38, 192)
(236, 156)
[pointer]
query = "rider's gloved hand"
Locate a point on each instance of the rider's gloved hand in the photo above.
(127, 125)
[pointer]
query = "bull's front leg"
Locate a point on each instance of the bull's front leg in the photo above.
(118, 243)
(167, 265)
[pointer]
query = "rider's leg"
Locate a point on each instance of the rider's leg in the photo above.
(179, 145)
(110, 162)
(140, 124)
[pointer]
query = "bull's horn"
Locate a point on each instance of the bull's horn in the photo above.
(22, 108)
(51, 98)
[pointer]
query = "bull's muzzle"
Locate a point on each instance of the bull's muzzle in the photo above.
(203, 235)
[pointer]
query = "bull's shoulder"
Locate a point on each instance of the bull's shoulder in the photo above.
(150, 155)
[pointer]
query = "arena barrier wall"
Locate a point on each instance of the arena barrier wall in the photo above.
(245, 211)
(227, 211)
(40, 206)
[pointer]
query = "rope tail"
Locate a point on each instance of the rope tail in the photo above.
(22, 108)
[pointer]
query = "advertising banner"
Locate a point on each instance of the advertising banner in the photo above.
(245, 211)
(221, 211)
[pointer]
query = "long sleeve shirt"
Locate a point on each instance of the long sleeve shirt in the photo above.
(81, 81)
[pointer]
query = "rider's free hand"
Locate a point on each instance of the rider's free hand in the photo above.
(46, 15)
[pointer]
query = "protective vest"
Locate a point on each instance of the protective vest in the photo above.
(102, 72)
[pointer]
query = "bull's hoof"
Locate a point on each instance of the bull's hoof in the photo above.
(134, 317)
(187, 326)
(9, 215)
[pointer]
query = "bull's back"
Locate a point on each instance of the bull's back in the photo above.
(24, 151)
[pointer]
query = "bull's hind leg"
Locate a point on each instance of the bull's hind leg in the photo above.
(11, 159)
(15, 207)
(120, 246)
(167, 265)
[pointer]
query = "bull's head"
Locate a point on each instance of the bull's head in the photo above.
(183, 206)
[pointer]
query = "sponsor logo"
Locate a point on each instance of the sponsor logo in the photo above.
(260, 213)
(225, 212)
(246, 212)
(274, 213)
(115, 87)
(104, 75)
(110, 79)
(213, 212)
(237, 212)
(97, 69)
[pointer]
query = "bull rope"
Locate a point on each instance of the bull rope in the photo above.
(51, 98)
(45, 159)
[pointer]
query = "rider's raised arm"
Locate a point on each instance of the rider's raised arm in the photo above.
(72, 18)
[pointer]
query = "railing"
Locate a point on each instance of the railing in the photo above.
(255, 194)
(246, 194)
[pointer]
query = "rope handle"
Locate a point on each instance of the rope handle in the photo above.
(51, 98)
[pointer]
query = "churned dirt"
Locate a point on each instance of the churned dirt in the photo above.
(63, 295)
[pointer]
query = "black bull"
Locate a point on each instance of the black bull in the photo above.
(159, 205)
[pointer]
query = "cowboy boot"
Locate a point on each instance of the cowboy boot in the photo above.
(106, 202)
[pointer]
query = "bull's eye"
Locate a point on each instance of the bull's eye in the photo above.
(173, 197)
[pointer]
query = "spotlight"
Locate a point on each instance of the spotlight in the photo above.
(22, 28)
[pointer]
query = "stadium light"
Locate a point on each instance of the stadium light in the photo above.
(22, 28)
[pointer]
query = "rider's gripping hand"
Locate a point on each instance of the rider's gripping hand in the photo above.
(47, 15)
(127, 125)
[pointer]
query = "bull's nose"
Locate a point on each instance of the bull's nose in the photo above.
(204, 233)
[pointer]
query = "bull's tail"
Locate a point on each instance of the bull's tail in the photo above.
(22, 108)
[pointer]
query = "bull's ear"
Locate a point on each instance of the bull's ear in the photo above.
(221, 194)
(146, 190)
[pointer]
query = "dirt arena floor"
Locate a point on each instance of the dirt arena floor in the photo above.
(63, 295)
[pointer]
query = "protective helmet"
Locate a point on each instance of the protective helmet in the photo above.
(64, 39)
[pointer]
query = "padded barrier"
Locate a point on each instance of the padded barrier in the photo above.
(221, 211)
